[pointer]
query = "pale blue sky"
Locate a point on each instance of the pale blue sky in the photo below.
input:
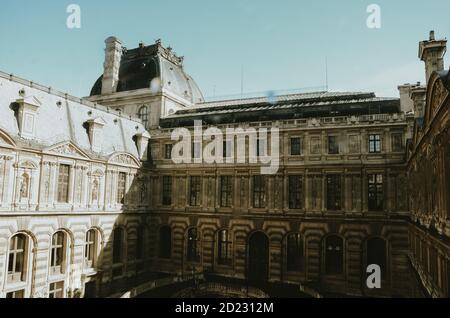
(280, 44)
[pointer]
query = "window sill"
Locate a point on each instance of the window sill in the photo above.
(12, 286)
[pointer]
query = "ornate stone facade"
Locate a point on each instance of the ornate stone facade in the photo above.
(34, 208)
(429, 184)
(87, 210)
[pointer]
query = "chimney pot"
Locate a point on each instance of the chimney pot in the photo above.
(432, 37)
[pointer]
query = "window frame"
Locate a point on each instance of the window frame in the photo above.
(295, 192)
(195, 191)
(296, 144)
(375, 191)
(296, 262)
(63, 183)
(121, 187)
(14, 276)
(55, 288)
(224, 259)
(333, 147)
(334, 264)
(166, 190)
(394, 145)
(226, 191)
(375, 143)
(193, 245)
(58, 253)
(91, 248)
(259, 192)
(143, 116)
(334, 192)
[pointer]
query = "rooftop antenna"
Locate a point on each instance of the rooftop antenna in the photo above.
(326, 73)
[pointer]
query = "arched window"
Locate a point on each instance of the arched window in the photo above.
(334, 255)
(294, 253)
(90, 251)
(118, 245)
(376, 254)
(223, 248)
(165, 242)
(17, 258)
(58, 253)
(143, 116)
(193, 254)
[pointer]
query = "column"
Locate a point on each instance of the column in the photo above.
(71, 183)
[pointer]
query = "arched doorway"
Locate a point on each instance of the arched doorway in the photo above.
(258, 258)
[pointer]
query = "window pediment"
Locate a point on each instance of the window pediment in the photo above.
(27, 164)
(124, 159)
(67, 149)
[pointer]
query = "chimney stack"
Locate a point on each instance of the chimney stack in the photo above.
(406, 103)
(432, 53)
(113, 56)
(418, 96)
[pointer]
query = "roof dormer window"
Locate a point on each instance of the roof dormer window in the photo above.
(94, 129)
(27, 115)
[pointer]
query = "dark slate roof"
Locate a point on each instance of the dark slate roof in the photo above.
(317, 104)
(137, 68)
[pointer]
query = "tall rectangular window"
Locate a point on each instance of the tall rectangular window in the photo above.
(17, 258)
(296, 146)
(168, 151)
(224, 248)
(397, 142)
(58, 253)
(333, 145)
(90, 247)
(374, 143)
(63, 183)
(334, 192)
(295, 192)
(226, 191)
(56, 290)
(167, 190)
(315, 145)
(259, 192)
(375, 195)
(195, 191)
(121, 183)
(16, 294)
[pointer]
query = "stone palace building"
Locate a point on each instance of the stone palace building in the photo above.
(93, 205)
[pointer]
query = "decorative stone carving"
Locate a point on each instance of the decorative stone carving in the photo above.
(68, 149)
(124, 159)
(439, 95)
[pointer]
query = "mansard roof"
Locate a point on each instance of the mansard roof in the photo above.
(60, 119)
(293, 106)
